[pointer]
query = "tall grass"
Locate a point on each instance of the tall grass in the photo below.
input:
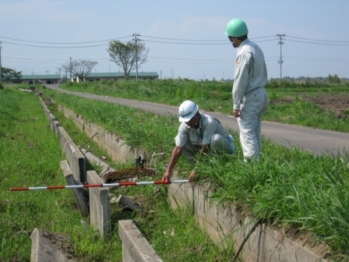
(289, 188)
(216, 96)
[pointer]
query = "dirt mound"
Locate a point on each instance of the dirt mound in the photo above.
(335, 103)
(338, 104)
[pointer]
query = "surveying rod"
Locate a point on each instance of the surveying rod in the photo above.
(99, 185)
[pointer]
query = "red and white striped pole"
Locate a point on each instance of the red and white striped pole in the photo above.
(99, 185)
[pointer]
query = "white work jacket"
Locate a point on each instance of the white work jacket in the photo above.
(250, 71)
(200, 136)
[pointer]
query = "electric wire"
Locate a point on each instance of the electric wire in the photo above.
(54, 47)
(319, 40)
(67, 43)
(173, 41)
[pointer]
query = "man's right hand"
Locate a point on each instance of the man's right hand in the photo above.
(166, 177)
(236, 113)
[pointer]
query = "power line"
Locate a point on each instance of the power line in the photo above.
(163, 40)
(91, 44)
(54, 47)
(179, 41)
(317, 41)
(65, 43)
(316, 60)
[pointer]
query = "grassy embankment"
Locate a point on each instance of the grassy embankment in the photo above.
(30, 156)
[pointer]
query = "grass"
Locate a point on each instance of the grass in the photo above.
(31, 154)
(286, 188)
(216, 96)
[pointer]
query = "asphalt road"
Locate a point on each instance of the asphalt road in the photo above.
(317, 141)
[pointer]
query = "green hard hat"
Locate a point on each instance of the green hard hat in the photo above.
(236, 27)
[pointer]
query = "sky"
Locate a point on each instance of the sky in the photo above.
(185, 38)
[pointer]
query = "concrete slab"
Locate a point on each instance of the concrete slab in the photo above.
(98, 162)
(128, 203)
(44, 250)
(79, 193)
(100, 215)
(74, 156)
(134, 245)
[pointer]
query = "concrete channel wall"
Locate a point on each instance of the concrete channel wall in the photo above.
(223, 223)
(135, 246)
(116, 147)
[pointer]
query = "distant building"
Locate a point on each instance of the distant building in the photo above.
(40, 79)
(119, 75)
(54, 79)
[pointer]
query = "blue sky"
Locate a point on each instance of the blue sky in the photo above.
(185, 38)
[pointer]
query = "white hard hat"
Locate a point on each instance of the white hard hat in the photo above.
(187, 110)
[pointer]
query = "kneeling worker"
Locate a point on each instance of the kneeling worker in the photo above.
(198, 133)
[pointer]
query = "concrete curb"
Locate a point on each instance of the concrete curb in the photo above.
(100, 217)
(225, 225)
(79, 195)
(134, 246)
(44, 250)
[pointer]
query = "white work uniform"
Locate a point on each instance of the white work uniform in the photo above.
(249, 96)
(209, 132)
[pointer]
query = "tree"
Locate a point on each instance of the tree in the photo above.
(127, 56)
(80, 68)
(10, 75)
(334, 79)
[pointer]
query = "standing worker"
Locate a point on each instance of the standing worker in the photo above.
(198, 133)
(250, 100)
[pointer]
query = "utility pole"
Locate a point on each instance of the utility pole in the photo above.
(70, 69)
(280, 60)
(0, 63)
(136, 41)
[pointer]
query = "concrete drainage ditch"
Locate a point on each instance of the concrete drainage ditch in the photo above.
(222, 222)
(96, 206)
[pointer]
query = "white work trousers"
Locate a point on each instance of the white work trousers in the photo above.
(218, 144)
(253, 107)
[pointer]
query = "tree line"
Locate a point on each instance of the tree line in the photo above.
(128, 56)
